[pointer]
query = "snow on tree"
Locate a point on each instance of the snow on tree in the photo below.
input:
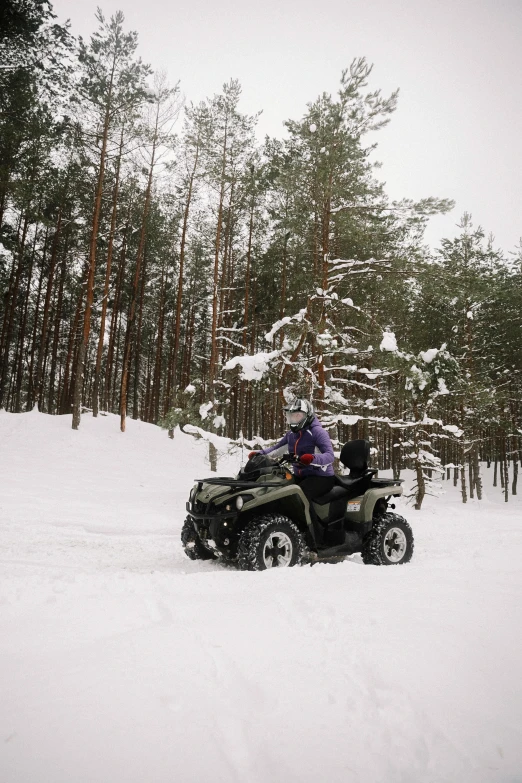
(426, 377)
(356, 374)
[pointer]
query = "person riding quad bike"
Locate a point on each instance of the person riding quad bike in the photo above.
(312, 448)
(262, 518)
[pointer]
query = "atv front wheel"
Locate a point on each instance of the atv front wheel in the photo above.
(389, 542)
(191, 543)
(270, 541)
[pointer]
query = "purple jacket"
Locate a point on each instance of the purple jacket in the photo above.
(312, 440)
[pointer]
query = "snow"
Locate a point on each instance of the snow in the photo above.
(205, 409)
(222, 444)
(389, 343)
(122, 660)
(4, 252)
(253, 367)
(453, 429)
(219, 422)
(443, 389)
(269, 336)
(417, 378)
(429, 355)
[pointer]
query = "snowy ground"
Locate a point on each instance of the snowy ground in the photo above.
(121, 661)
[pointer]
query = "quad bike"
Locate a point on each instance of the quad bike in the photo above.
(262, 519)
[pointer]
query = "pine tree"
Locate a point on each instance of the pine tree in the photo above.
(112, 83)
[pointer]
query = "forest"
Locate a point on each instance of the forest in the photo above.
(159, 261)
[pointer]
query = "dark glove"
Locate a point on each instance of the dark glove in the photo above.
(253, 454)
(306, 459)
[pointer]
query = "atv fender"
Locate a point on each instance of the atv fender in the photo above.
(290, 492)
(361, 509)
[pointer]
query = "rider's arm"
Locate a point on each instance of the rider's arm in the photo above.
(324, 444)
(282, 442)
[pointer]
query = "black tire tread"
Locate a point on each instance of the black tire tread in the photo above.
(250, 541)
(372, 550)
(191, 544)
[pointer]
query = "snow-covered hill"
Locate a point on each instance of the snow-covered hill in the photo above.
(121, 661)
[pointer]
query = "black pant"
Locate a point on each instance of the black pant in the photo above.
(315, 486)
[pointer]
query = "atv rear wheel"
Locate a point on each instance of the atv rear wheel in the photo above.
(270, 541)
(191, 543)
(389, 542)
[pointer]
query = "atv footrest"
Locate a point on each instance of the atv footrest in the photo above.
(352, 543)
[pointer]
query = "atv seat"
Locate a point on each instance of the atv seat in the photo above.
(354, 455)
(350, 483)
(347, 488)
(337, 493)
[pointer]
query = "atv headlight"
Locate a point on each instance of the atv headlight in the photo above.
(241, 500)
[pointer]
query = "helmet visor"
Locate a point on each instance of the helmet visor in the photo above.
(295, 417)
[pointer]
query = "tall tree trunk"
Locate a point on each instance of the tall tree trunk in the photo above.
(56, 336)
(156, 382)
(22, 346)
(321, 370)
(7, 305)
(136, 281)
(179, 298)
(476, 473)
(30, 385)
(505, 466)
(82, 350)
(137, 347)
(10, 313)
(215, 298)
(463, 482)
(243, 385)
(65, 395)
(101, 338)
(114, 332)
(187, 353)
(42, 402)
(46, 311)
(114, 389)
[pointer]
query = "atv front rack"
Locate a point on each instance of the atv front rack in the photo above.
(232, 482)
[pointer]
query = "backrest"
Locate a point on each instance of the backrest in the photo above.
(355, 455)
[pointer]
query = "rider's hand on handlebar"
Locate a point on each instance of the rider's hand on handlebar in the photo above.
(306, 459)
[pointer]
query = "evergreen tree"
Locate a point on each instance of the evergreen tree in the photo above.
(111, 84)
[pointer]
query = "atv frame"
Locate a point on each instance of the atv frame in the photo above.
(263, 519)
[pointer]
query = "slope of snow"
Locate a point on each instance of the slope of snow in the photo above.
(123, 661)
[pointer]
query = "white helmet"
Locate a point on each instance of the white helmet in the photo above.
(299, 414)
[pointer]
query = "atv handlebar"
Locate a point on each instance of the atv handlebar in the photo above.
(284, 458)
(291, 458)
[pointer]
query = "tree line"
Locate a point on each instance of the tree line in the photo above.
(159, 261)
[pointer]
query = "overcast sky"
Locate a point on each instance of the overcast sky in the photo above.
(457, 132)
